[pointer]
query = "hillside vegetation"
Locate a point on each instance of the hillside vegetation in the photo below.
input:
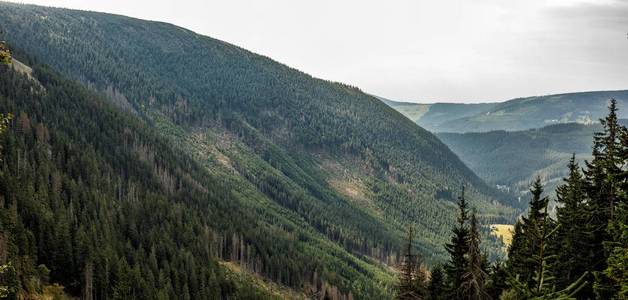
(179, 151)
(514, 159)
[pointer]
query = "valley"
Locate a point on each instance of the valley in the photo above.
(143, 160)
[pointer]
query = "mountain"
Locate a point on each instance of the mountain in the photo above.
(212, 155)
(95, 200)
(516, 114)
(432, 116)
(512, 159)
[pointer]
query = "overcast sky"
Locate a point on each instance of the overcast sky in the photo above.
(417, 50)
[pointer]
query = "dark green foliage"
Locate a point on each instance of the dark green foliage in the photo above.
(230, 157)
(466, 273)
(458, 249)
(584, 256)
(616, 271)
(542, 285)
(496, 280)
(574, 240)
(82, 197)
(278, 131)
(474, 279)
(513, 159)
(604, 178)
(437, 287)
(528, 237)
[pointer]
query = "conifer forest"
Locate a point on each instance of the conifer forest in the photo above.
(142, 160)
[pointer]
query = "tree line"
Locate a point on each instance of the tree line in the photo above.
(580, 253)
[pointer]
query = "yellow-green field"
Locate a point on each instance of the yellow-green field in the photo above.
(504, 231)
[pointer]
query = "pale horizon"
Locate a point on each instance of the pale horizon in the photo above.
(417, 51)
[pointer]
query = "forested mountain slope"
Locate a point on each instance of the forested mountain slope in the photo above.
(96, 201)
(515, 114)
(307, 182)
(513, 159)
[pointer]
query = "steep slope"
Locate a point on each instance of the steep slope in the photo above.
(329, 175)
(513, 159)
(516, 114)
(92, 199)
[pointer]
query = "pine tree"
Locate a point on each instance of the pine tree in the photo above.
(457, 249)
(574, 237)
(525, 245)
(436, 287)
(474, 279)
(604, 171)
(542, 286)
(604, 178)
(497, 280)
(616, 271)
(122, 287)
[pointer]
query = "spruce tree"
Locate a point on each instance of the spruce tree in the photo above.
(474, 279)
(575, 236)
(457, 249)
(604, 171)
(497, 280)
(542, 285)
(616, 271)
(436, 287)
(526, 243)
(604, 181)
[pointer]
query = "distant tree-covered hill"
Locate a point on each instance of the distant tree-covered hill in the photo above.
(512, 159)
(432, 116)
(516, 114)
(211, 154)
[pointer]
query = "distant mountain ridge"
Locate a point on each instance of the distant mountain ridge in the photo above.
(432, 115)
(516, 114)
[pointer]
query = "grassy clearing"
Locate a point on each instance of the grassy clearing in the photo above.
(503, 231)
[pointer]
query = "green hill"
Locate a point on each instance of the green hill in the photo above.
(513, 159)
(516, 114)
(220, 154)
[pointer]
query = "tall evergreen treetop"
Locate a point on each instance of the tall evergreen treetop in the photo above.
(537, 204)
(436, 288)
(457, 249)
(525, 243)
(575, 237)
(605, 170)
(572, 193)
(605, 179)
(537, 281)
(474, 278)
